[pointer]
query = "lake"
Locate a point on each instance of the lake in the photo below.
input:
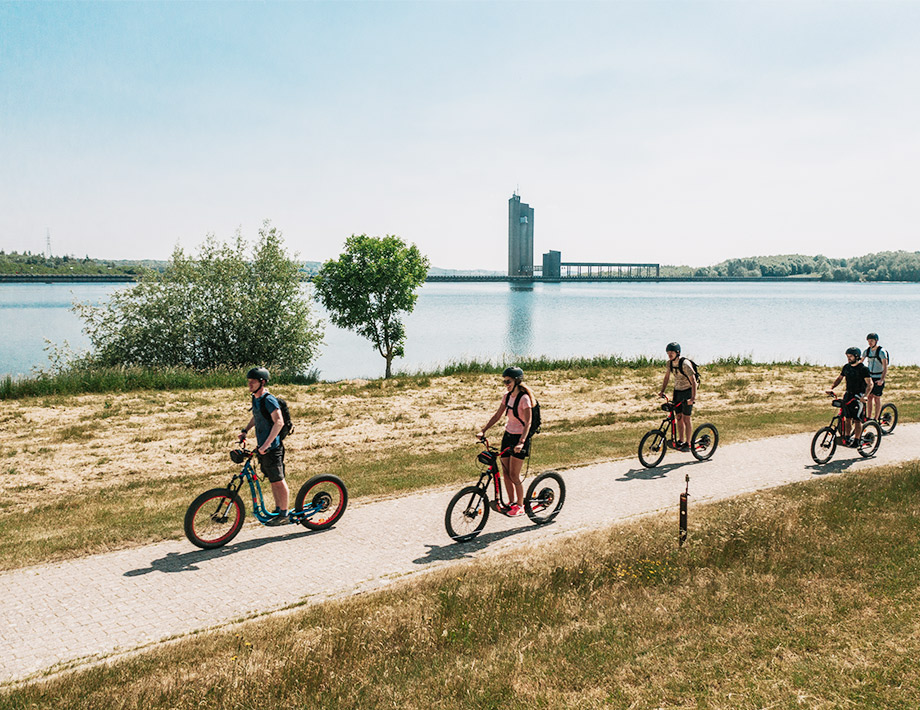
(459, 321)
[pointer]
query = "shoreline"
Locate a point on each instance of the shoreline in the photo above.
(128, 278)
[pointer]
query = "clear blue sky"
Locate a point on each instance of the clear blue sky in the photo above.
(676, 132)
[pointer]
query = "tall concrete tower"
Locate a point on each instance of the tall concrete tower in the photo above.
(520, 237)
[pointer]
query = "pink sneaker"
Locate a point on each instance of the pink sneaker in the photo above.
(515, 510)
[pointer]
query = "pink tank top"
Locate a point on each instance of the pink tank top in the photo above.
(515, 425)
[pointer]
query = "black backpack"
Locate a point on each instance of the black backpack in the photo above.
(879, 350)
(535, 419)
(285, 415)
(680, 366)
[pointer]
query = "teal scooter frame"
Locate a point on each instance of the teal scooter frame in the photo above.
(216, 516)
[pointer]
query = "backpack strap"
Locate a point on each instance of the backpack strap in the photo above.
(680, 366)
(265, 415)
(514, 407)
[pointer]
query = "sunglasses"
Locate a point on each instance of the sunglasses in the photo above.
(508, 382)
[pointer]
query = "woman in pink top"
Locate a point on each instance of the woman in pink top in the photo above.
(516, 437)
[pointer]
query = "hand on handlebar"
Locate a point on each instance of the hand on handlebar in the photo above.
(662, 395)
(830, 393)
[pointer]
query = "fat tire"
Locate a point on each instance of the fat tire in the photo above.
(869, 450)
(305, 491)
(699, 433)
(198, 503)
(535, 492)
(465, 497)
(816, 444)
(651, 462)
(894, 418)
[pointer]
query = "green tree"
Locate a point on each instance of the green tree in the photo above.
(373, 281)
(215, 309)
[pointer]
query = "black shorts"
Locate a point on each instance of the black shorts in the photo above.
(680, 402)
(877, 388)
(510, 440)
(852, 406)
(272, 464)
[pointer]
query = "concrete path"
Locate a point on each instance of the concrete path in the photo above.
(72, 613)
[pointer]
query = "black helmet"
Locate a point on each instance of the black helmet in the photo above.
(856, 352)
(673, 347)
(872, 336)
(257, 373)
(515, 373)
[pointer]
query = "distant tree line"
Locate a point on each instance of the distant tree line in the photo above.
(29, 263)
(883, 266)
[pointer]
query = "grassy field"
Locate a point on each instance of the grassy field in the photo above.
(86, 473)
(803, 596)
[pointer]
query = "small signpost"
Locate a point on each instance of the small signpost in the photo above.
(682, 534)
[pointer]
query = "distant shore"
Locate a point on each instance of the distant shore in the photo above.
(128, 278)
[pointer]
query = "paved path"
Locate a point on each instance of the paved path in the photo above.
(74, 612)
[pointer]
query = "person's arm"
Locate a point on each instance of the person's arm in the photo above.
(277, 424)
(245, 429)
(868, 389)
(692, 379)
(495, 418)
(667, 376)
(836, 382)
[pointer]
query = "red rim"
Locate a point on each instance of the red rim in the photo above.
(229, 532)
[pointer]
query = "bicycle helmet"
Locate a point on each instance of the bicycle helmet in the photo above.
(257, 373)
(872, 336)
(673, 347)
(515, 373)
(855, 352)
(237, 455)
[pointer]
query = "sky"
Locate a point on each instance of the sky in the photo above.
(671, 132)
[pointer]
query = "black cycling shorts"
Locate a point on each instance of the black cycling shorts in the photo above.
(852, 406)
(680, 402)
(511, 440)
(877, 388)
(272, 464)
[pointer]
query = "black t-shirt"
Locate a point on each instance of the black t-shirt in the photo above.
(856, 377)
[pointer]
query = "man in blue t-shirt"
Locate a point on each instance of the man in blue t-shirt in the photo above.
(876, 359)
(267, 419)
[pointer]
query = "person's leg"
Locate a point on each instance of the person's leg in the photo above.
(688, 429)
(516, 487)
(281, 494)
(680, 428)
(272, 465)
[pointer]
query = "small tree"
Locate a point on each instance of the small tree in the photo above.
(371, 283)
(213, 310)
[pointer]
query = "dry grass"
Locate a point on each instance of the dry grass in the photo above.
(61, 457)
(804, 596)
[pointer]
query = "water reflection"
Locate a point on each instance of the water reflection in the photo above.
(519, 335)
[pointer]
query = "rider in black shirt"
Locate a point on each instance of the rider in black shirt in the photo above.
(859, 384)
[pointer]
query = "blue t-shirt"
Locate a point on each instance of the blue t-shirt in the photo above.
(263, 425)
(874, 363)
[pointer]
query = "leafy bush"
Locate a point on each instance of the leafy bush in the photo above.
(214, 310)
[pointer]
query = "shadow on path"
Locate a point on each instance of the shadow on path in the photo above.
(188, 561)
(461, 550)
(818, 469)
(650, 474)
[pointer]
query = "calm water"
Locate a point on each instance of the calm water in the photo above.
(768, 321)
